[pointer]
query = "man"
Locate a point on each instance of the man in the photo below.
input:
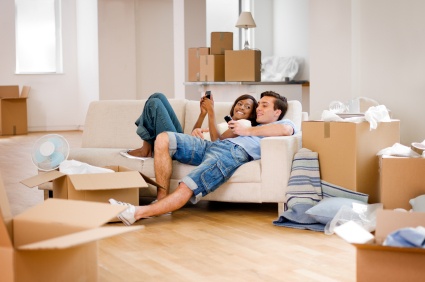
(215, 165)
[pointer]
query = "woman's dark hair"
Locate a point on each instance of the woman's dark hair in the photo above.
(253, 116)
(280, 102)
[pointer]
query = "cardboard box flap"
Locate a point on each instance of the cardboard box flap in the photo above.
(5, 216)
(74, 213)
(25, 91)
(150, 180)
(106, 181)
(42, 178)
(79, 238)
(388, 221)
(5, 241)
(9, 91)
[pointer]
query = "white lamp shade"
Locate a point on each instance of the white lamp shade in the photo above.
(245, 20)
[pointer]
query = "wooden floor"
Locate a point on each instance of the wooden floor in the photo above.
(204, 242)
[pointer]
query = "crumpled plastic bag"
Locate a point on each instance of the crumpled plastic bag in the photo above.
(279, 68)
(377, 114)
(362, 214)
(76, 167)
(328, 115)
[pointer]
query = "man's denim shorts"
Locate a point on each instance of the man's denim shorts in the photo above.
(215, 161)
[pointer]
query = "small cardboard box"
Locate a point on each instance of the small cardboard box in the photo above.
(194, 66)
(54, 241)
(347, 152)
(122, 185)
(242, 65)
(212, 68)
(220, 42)
(376, 262)
(13, 110)
(401, 179)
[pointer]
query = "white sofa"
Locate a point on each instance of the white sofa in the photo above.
(109, 128)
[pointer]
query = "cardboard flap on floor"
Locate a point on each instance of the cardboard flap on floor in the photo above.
(105, 181)
(79, 238)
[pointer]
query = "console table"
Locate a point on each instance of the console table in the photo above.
(229, 91)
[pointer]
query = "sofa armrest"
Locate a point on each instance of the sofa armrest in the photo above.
(276, 162)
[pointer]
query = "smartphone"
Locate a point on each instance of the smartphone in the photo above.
(208, 94)
(227, 118)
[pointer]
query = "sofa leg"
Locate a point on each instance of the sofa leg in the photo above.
(280, 208)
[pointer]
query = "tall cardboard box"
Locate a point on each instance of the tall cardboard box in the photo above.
(212, 68)
(376, 262)
(13, 110)
(194, 66)
(242, 65)
(347, 152)
(220, 42)
(54, 241)
(401, 179)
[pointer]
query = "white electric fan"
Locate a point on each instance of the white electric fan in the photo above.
(49, 151)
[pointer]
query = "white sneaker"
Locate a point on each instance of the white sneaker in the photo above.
(127, 216)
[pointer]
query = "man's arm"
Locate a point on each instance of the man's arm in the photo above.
(273, 129)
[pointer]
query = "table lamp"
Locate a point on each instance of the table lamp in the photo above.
(245, 21)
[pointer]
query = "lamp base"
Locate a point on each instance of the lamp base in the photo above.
(246, 45)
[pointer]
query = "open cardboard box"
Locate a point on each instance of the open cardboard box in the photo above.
(54, 241)
(376, 262)
(122, 185)
(13, 110)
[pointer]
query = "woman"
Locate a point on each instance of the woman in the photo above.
(158, 116)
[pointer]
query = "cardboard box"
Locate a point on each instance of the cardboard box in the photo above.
(13, 110)
(401, 179)
(347, 152)
(123, 185)
(242, 65)
(384, 263)
(54, 241)
(220, 42)
(194, 66)
(212, 68)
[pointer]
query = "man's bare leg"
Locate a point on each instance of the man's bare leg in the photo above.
(163, 165)
(144, 152)
(172, 202)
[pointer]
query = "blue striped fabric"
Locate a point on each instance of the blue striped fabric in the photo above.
(306, 189)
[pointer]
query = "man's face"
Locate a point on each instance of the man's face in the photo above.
(265, 111)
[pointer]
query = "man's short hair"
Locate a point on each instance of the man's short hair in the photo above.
(280, 102)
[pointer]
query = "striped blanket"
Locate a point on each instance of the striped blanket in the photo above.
(306, 189)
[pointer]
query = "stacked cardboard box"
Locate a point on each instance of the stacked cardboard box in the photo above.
(13, 110)
(207, 64)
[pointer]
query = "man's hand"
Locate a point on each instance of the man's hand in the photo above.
(198, 132)
(239, 128)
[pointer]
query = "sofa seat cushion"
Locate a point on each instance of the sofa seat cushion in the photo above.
(249, 172)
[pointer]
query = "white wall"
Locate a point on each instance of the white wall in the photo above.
(371, 48)
(53, 102)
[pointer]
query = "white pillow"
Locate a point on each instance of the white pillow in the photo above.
(327, 208)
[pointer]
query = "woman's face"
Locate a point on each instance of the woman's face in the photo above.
(243, 109)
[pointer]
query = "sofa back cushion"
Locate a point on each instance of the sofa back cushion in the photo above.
(110, 123)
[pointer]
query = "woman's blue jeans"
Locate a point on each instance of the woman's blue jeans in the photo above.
(157, 116)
